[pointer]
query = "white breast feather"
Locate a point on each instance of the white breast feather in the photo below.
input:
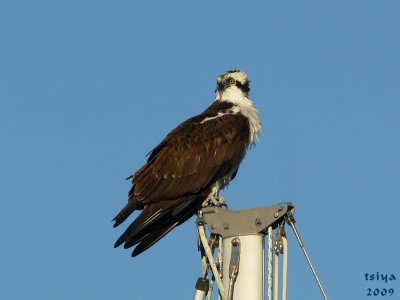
(244, 106)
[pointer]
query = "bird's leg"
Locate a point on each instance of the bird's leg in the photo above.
(214, 198)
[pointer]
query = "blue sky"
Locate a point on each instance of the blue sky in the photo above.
(87, 88)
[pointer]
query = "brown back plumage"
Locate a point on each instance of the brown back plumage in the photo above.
(181, 171)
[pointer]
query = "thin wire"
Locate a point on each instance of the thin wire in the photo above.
(220, 259)
(270, 236)
(306, 255)
(210, 289)
(204, 266)
(230, 289)
(211, 261)
(285, 268)
(276, 274)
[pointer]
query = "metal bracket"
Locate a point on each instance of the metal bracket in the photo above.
(233, 266)
(278, 246)
(235, 258)
(229, 223)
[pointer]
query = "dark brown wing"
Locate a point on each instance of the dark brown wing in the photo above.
(179, 174)
(192, 157)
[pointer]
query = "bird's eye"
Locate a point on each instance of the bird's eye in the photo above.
(231, 81)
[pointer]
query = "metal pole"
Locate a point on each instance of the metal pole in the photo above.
(249, 283)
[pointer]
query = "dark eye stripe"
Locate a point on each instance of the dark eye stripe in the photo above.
(244, 87)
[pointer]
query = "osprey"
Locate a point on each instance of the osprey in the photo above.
(191, 165)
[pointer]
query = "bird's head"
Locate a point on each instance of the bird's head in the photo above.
(231, 85)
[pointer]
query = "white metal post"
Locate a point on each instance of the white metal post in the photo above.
(249, 283)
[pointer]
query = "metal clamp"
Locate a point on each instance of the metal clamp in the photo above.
(234, 266)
